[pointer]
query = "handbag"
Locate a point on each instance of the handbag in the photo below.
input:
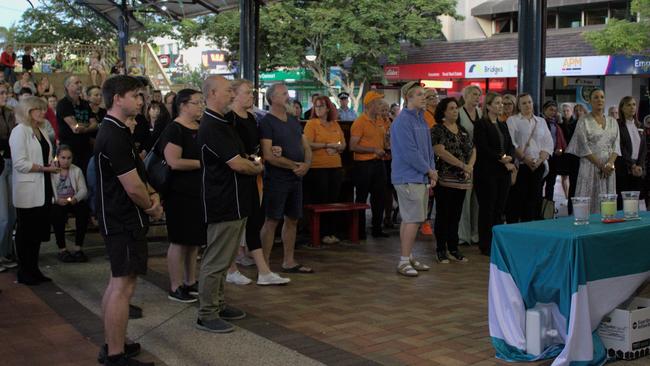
(158, 171)
(548, 209)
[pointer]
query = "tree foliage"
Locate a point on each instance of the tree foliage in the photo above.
(358, 36)
(64, 21)
(624, 36)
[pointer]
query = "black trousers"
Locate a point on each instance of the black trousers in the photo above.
(370, 179)
(32, 228)
(59, 216)
(492, 194)
(449, 207)
(525, 199)
(626, 182)
(323, 185)
(255, 221)
(549, 187)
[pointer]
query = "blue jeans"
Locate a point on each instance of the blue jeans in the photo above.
(10, 76)
(7, 211)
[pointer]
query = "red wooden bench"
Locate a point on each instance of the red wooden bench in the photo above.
(315, 210)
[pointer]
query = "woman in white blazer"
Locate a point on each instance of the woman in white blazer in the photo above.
(70, 195)
(32, 187)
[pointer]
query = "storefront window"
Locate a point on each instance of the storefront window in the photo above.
(595, 16)
(551, 17)
(619, 10)
(570, 17)
(503, 24)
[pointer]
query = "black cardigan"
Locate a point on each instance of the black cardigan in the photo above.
(624, 162)
(488, 149)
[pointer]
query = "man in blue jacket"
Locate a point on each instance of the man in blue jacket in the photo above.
(413, 172)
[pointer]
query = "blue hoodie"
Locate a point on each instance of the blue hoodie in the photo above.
(411, 149)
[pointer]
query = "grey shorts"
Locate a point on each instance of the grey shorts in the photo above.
(413, 199)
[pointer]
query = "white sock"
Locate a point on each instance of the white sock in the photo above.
(403, 260)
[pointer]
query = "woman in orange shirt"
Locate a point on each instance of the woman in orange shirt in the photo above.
(323, 181)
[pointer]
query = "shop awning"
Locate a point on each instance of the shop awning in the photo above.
(489, 8)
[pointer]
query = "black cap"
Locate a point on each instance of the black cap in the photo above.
(549, 103)
(343, 95)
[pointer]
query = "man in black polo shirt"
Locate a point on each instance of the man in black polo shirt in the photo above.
(124, 202)
(227, 179)
(76, 122)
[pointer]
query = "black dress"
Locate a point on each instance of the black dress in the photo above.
(182, 202)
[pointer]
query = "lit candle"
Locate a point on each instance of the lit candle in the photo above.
(76, 126)
(69, 199)
(257, 159)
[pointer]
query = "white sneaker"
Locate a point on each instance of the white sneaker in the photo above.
(245, 261)
(327, 240)
(272, 279)
(237, 278)
(2, 268)
(335, 239)
(7, 263)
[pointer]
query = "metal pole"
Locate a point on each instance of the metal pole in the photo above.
(532, 49)
(123, 33)
(255, 45)
(246, 57)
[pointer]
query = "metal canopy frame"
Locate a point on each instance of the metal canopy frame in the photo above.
(120, 15)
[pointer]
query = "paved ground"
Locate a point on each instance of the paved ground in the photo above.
(354, 311)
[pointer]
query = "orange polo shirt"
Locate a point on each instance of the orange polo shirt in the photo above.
(371, 134)
(315, 131)
(428, 116)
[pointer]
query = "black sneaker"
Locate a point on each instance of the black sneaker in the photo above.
(458, 256)
(193, 289)
(135, 312)
(442, 257)
(66, 257)
(130, 350)
(80, 256)
(181, 295)
(231, 313)
(125, 361)
(379, 234)
(215, 326)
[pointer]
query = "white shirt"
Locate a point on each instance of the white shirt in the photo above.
(520, 129)
(634, 136)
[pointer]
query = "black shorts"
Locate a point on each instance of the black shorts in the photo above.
(286, 201)
(127, 252)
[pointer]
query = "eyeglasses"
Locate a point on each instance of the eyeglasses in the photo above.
(320, 106)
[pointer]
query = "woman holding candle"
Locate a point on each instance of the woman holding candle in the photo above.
(182, 200)
(31, 187)
(455, 158)
(630, 165)
(70, 193)
(596, 142)
(323, 181)
(493, 169)
(550, 112)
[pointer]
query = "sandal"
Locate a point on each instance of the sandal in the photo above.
(419, 266)
(298, 268)
(406, 269)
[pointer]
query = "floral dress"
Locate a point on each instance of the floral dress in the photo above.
(591, 138)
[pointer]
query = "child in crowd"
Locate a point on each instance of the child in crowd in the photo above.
(70, 195)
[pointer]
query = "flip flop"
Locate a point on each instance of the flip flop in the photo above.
(298, 268)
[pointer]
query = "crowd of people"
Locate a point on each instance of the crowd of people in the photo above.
(235, 176)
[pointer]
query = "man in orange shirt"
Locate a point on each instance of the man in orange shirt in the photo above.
(432, 100)
(367, 136)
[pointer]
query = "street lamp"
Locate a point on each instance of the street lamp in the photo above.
(310, 55)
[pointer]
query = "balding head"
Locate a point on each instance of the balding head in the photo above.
(218, 94)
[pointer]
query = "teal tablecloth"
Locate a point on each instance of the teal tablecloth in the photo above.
(580, 272)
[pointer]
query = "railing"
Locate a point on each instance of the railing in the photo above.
(76, 57)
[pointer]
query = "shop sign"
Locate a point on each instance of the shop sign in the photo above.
(577, 66)
(425, 71)
(623, 65)
(285, 75)
(577, 81)
(491, 69)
